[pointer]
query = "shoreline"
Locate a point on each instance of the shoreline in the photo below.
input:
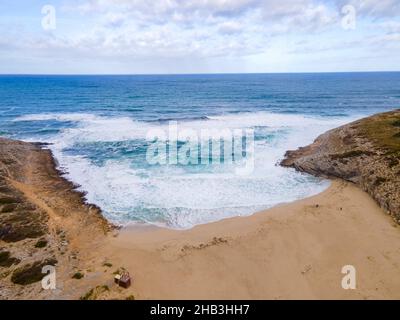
(142, 226)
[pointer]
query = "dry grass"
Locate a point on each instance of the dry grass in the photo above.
(383, 130)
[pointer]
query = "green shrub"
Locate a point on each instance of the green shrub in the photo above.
(41, 243)
(396, 123)
(78, 275)
(7, 208)
(93, 294)
(379, 181)
(7, 200)
(6, 260)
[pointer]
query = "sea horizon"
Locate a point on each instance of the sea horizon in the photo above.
(195, 73)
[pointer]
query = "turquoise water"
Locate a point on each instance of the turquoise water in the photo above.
(97, 127)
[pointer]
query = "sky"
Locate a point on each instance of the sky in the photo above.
(198, 36)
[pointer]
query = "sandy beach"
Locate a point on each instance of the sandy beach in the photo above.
(294, 251)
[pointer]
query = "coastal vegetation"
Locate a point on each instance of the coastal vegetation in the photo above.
(95, 293)
(6, 260)
(78, 275)
(41, 243)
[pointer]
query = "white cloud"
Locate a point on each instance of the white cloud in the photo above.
(158, 30)
(390, 26)
(373, 8)
(193, 27)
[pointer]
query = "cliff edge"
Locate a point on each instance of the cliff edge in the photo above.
(365, 152)
(43, 221)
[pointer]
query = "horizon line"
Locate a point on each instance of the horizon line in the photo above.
(188, 74)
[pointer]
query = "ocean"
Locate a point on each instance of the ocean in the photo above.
(98, 126)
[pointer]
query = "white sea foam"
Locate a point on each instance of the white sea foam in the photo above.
(178, 197)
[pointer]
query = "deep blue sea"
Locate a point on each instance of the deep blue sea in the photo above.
(97, 127)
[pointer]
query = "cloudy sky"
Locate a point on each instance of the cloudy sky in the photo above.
(198, 36)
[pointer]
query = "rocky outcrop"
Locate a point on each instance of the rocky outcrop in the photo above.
(41, 216)
(366, 152)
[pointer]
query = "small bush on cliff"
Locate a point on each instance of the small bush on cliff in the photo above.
(396, 123)
(392, 162)
(95, 293)
(41, 243)
(8, 200)
(7, 208)
(22, 224)
(78, 276)
(379, 181)
(6, 260)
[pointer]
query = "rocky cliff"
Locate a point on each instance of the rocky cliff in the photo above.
(41, 216)
(366, 152)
